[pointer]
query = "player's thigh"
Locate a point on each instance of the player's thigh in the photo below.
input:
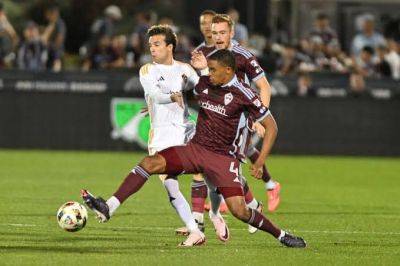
(179, 160)
(222, 171)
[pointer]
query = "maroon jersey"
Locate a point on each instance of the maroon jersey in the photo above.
(223, 116)
(248, 68)
(206, 50)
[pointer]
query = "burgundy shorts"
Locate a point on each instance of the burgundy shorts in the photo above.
(222, 171)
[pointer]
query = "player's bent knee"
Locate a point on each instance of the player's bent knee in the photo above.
(198, 177)
(154, 164)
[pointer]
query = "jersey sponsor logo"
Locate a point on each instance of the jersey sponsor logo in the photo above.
(228, 98)
(215, 108)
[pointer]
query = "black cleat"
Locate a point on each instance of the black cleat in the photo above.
(292, 241)
(98, 205)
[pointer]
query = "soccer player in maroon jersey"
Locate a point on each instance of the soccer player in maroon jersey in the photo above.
(215, 150)
(248, 69)
(199, 188)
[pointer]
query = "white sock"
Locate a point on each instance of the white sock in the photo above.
(199, 217)
(253, 204)
(180, 204)
(283, 233)
(113, 204)
(270, 185)
(215, 200)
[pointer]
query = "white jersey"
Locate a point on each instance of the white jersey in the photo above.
(170, 125)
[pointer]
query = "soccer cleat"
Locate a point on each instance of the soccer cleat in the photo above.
(221, 229)
(194, 239)
(274, 197)
(223, 208)
(183, 231)
(292, 241)
(98, 205)
(253, 229)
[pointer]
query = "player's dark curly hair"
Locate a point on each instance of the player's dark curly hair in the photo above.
(170, 36)
(224, 58)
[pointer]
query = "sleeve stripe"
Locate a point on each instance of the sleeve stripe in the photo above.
(242, 52)
(249, 94)
(264, 116)
(259, 76)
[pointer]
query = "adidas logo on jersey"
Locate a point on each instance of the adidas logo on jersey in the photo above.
(205, 91)
(161, 79)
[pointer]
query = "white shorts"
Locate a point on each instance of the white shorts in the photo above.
(164, 137)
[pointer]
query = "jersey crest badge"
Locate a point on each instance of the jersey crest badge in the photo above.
(228, 98)
(184, 78)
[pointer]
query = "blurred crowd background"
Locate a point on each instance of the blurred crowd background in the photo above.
(352, 38)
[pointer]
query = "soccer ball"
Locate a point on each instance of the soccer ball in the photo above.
(72, 216)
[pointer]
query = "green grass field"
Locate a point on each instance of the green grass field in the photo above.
(347, 208)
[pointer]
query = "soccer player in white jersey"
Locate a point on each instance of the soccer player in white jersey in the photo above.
(163, 81)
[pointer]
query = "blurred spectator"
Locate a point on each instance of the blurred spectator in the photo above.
(100, 56)
(382, 66)
(364, 63)
(118, 52)
(269, 59)
(241, 32)
(393, 58)
(367, 37)
(106, 25)
(54, 37)
(289, 61)
(8, 39)
(32, 53)
(363, 66)
(138, 40)
(323, 30)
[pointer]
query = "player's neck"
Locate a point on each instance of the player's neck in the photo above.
(229, 80)
(208, 42)
(167, 61)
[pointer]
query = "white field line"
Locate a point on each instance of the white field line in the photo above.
(232, 229)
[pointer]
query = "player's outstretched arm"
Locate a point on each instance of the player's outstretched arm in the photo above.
(271, 131)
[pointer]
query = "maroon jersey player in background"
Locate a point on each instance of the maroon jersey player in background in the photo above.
(223, 100)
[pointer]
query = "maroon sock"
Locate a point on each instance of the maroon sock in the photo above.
(261, 222)
(132, 183)
(248, 196)
(199, 195)
(266, 176)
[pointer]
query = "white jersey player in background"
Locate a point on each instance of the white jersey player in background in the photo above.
(163, 81)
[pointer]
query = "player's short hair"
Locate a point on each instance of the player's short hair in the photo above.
(220, 18)
(169, 34)
(208, 12)
(224, 58)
